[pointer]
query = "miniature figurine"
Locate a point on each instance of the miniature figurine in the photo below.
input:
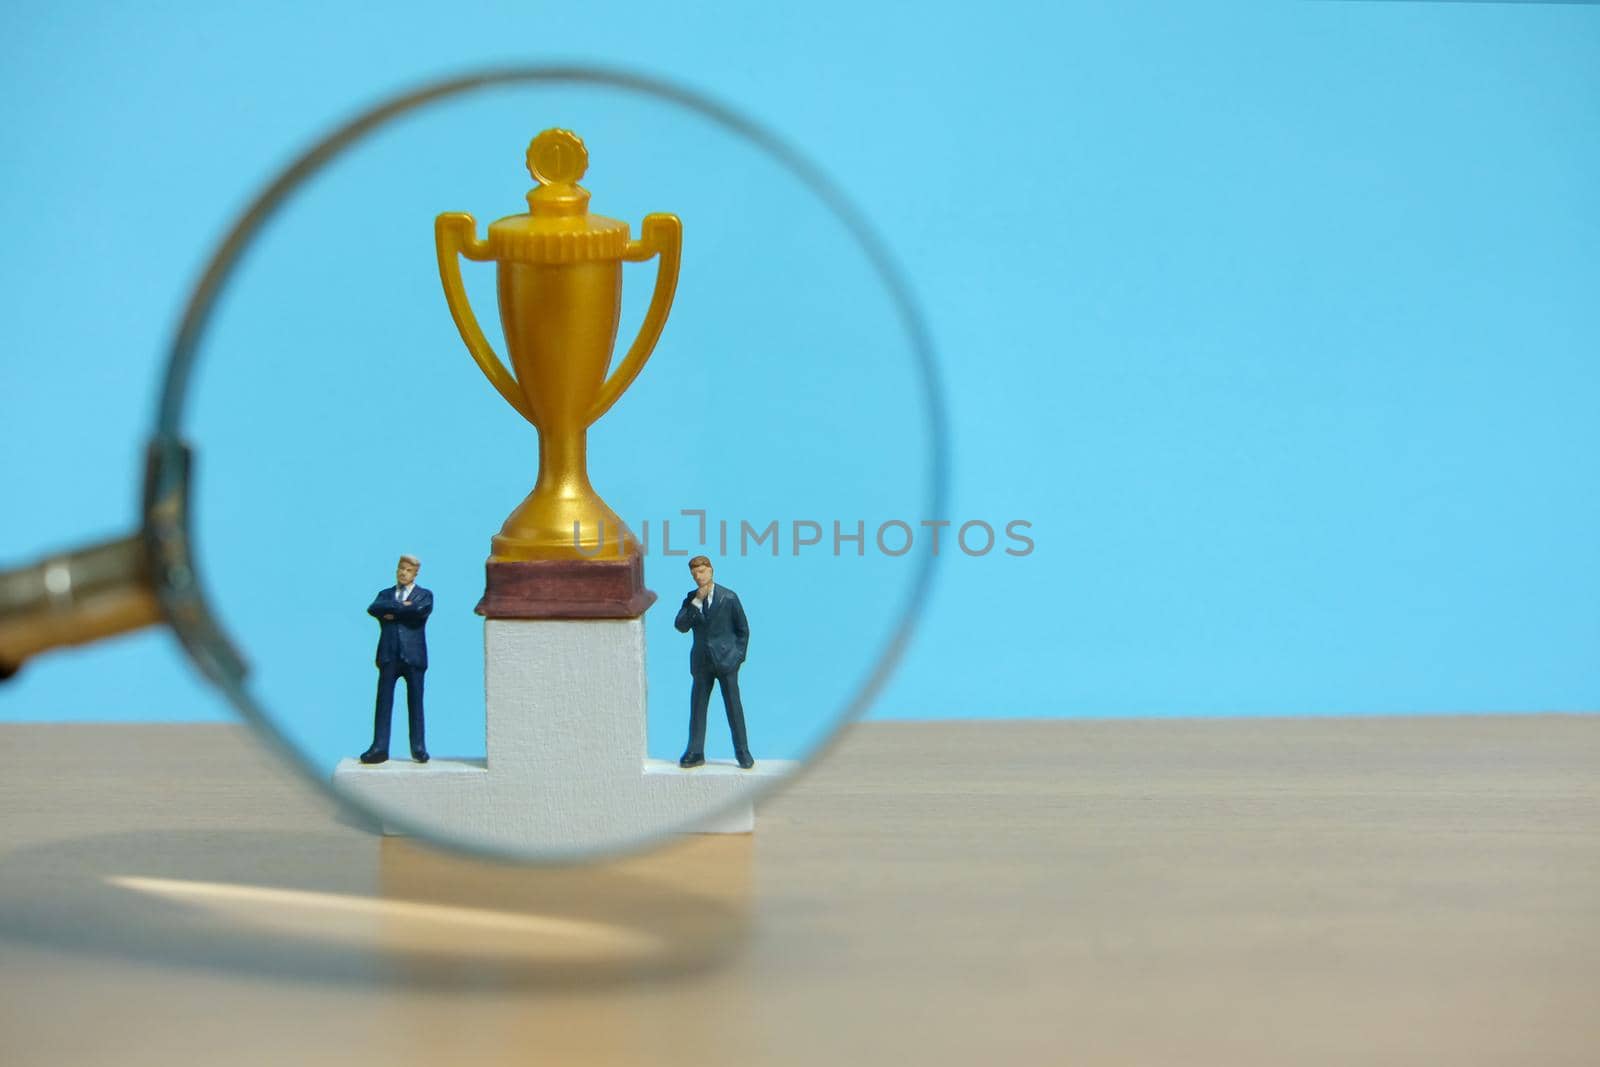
(721, 637)
(402, 614)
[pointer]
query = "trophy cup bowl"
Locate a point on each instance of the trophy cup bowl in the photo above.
(560, 292)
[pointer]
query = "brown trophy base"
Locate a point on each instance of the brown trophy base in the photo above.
(565, 589)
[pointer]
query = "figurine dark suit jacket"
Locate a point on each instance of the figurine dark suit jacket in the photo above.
(721, 636)
(403, 639)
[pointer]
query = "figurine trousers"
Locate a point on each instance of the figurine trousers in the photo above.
(388, 674)
(700, 698)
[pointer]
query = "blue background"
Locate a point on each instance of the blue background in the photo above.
(1277, 322)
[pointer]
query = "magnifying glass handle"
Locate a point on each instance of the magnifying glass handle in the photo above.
(75, 597)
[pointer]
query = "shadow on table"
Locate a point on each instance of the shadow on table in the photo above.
(346, 910)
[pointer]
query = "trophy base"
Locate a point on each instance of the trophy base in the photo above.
(565, 589)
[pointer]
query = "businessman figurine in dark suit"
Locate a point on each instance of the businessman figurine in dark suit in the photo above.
(721, 636)
(402, 613)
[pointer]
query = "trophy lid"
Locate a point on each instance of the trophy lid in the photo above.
(557, 227)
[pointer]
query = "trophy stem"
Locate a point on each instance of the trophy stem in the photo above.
(540, 569)
(563, 518)
(564, 464)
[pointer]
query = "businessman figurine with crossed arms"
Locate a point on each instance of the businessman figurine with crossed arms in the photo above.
(402, 612)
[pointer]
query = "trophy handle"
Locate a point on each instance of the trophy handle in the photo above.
(663, 235)
(453, 234)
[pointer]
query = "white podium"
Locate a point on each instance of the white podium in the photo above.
(566, 768)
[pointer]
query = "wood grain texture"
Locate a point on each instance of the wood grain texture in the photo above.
(1327, 891)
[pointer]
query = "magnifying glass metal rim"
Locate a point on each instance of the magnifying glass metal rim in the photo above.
(159, 559)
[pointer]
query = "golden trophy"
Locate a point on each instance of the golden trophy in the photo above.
(562, 552)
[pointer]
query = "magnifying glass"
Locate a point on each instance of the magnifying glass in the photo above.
(785, 424)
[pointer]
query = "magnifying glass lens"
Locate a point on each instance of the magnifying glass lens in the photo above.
(780, 427)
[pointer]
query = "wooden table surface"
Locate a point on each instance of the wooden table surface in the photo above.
(1326, 891)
